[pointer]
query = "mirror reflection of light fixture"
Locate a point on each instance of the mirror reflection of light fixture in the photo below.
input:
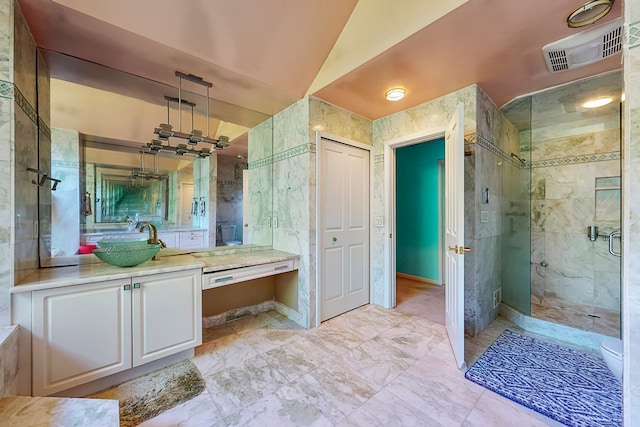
(589, 13)
(597, 102)
(395, 94)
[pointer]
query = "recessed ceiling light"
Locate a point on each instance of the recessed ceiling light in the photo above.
(589, 13)
(597, 102)
(395, 94)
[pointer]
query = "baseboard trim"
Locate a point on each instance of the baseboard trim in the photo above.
(418, 279)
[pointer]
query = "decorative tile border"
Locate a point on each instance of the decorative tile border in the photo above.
(378, 158)
(480, 141)
(6, 89)
(589, 158)
(634, 35)
(287, 154)
(229, 182)
(25, 106)
(46, 130)
(65, 164)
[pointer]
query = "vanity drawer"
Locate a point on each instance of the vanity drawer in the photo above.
(191, 239)
(235, 275)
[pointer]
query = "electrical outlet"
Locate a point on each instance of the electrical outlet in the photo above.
(275, 222)
(497, 297)
(379, 221)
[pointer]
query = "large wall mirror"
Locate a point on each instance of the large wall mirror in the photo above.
(103, 127)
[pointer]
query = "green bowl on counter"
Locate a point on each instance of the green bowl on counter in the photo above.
(127, 255)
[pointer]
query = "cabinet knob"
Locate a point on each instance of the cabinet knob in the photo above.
(136, 286)
(127, 287)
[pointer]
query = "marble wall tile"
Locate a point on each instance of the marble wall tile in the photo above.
(607, 290)
(338, 121)
(45, 194)
(65, 201)
(44, 91)
(24, 53)
(6, 35)
(570, 284)
(8, 360)
(293, 195)
(631, 214)
(26, 206)
(291, 126)
(229, 195)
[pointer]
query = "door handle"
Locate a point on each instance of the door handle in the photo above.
(460, 250)
(612, 237)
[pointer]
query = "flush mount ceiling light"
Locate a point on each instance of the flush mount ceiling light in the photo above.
(597, 102)
(589, 13)
(395, 94)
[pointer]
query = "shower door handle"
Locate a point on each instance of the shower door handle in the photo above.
(612, 237)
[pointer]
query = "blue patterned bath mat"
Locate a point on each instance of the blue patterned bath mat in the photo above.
(574, 388)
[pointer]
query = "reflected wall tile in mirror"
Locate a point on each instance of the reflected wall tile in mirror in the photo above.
(65, 203)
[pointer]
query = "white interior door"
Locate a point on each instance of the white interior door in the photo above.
(454, 233)
(245, 206)
(343, 205)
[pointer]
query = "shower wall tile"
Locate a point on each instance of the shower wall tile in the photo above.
(338, 121)
(488, 174)
(7, 195)
(26, 206)
(6, 35)
(568, 250)
(260, 141)
(44, 194)
(24, 52)
(65, 201)
(494, 126)
(229, 194)
(631, 215)
(571, 284)
(44, 91)
(607, 290)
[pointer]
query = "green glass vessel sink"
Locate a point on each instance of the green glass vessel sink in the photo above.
(123, 255)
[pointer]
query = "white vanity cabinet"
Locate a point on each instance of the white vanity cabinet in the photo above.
(85, 332)
(191, 239)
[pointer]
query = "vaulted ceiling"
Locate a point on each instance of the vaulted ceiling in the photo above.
(266, 54)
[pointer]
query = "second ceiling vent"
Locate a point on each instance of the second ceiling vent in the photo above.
(584, 48)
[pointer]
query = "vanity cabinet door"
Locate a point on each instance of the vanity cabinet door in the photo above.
(167, 314)
(170, 238)
(80, 333)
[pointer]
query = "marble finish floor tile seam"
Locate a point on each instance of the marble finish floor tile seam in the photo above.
(271, 373)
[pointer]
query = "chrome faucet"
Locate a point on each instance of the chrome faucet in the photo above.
(153, 236)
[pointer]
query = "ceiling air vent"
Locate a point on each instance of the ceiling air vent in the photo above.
(584, 48)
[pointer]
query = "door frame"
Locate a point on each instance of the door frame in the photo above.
(389, 297)
(319, 135)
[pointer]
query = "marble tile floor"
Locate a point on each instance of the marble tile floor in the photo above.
(370, 366)
(588, 318)
(421, 299)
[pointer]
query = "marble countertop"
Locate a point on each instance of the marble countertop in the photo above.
(46, 278)
(93, 270)
(21, 411)
(242, 259)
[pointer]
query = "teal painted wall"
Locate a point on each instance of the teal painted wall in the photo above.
(417, 209)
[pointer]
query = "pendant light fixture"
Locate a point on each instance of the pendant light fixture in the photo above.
(165, 131)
